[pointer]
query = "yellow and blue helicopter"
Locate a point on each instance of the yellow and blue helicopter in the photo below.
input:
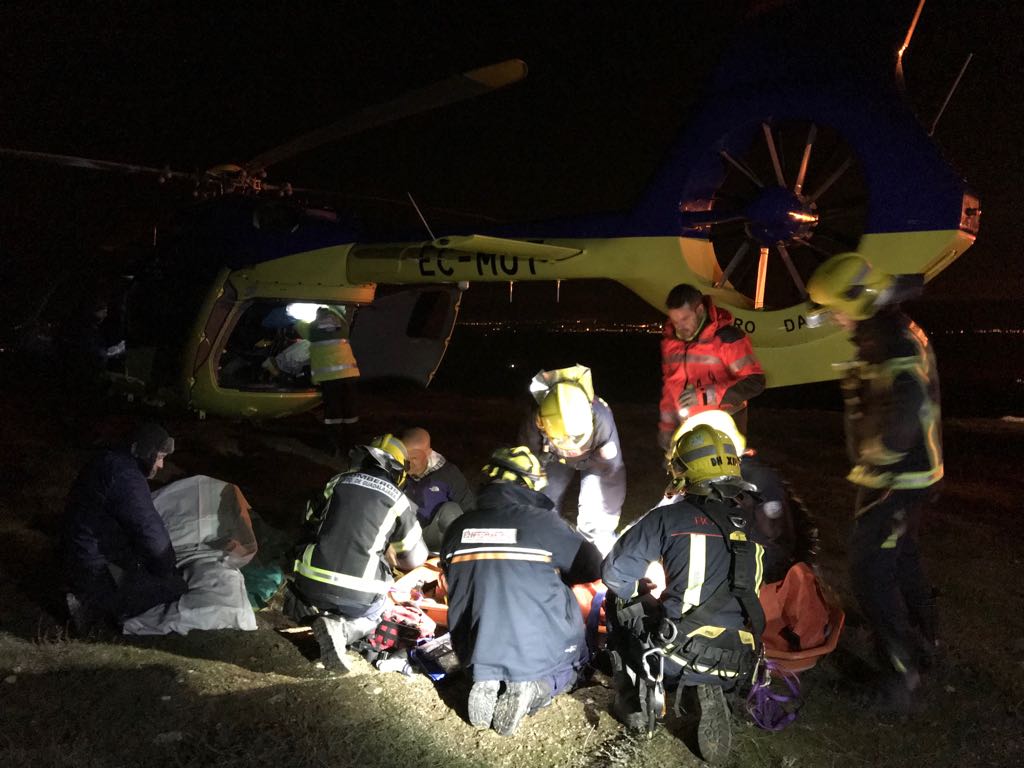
(788, 161)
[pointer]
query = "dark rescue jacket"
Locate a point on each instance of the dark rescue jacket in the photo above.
(891, 397)
(344, 568)
(706, 551)
(719, 364)
(511, 615)
(109, 518)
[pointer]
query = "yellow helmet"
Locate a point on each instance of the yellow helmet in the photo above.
(849, 284)
(566, 417)
(388, 452)
(516, 465)
(704, 461)
(715, 419)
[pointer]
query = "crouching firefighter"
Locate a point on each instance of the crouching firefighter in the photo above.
(701, 638)
(513, 617)
(342, 575)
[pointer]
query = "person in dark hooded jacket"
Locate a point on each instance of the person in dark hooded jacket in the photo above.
(116, 554)
(513, 618)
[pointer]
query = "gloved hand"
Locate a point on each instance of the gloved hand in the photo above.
(687, 398)
(117, 349)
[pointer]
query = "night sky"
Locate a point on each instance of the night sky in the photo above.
(606, 93)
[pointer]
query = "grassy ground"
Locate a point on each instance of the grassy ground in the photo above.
(258, 698)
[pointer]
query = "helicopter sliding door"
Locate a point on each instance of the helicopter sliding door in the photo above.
(404, 335)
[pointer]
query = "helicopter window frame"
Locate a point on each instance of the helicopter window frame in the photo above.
(250, 341)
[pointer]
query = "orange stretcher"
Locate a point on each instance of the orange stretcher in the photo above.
(803, 619)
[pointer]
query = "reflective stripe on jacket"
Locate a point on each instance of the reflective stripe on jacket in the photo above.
(511, 615)
(346, 565)
(330, 354)
(893, 423)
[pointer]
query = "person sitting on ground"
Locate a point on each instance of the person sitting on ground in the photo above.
(116, 553)
(513, 618)
(436, 486)
(703, 632)
(342, 575)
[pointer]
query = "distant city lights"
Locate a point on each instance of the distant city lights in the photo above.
(599, 326)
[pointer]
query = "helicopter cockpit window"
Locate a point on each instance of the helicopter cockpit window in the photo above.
(267, 349)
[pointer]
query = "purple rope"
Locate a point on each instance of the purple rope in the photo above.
(772, 710)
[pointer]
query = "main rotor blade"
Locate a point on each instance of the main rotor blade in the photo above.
(69, 161)
(475, 82)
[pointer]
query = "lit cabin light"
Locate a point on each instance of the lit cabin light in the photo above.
(302, 311)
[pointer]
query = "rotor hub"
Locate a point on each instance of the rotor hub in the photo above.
(779, 215)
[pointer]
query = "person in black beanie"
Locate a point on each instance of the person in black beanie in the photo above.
(116, 554)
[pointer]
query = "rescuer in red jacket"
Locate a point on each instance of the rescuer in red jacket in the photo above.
(706, 362)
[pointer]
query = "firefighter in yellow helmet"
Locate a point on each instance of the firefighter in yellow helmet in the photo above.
(573, 430)
(513, 617)
(342, 575)
(781, 522)
(701, 637)
(893, 435)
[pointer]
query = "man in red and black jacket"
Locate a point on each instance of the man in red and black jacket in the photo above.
(706, 362)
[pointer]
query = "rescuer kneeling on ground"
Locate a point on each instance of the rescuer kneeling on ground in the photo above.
(893, 436)
(342, 575)
(117, 555)
(702, 636)
(514, 620)
(573, 430)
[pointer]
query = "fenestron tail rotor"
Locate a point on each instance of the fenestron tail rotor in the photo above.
(790, 195)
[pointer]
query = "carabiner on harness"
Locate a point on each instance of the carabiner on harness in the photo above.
(652, 670)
